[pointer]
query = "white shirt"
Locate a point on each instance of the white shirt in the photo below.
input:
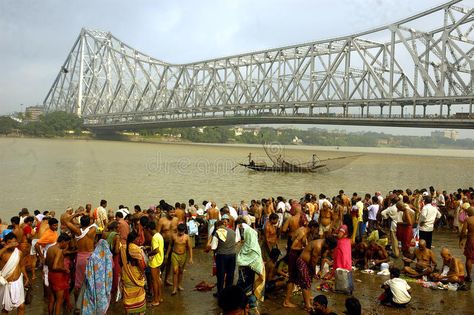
(399, 288)
(428, 215)
(441, 200)
(392, 213)
(373, 210)
(102, 216)
(281, 207)
(233, 212)
(321, 201)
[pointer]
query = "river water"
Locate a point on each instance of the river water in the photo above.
(55, 173)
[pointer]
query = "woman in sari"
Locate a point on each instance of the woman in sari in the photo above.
(133, 276)
(113, 239)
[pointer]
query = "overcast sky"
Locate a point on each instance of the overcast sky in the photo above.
(36, 36)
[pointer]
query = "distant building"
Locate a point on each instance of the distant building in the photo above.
(297, 140)
(448, 133)
(32, 113)
(238, 131)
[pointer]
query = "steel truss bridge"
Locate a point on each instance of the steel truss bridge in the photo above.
(417, 72)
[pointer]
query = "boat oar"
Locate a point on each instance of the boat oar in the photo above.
(232, 169)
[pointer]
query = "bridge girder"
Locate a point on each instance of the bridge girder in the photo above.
(398, 67)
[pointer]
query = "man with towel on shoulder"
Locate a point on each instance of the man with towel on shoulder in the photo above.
(12, 288)
(85, 237)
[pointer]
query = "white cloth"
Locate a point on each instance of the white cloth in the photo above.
(445, 271)
(321, 201)
(85, 231)
(101, 217)
(12, 294)
(45, 267)
(233, 213)
(33, 250)
(392, 213)
(373, 210)
(399, 288)
(10, 266)
(428, 215)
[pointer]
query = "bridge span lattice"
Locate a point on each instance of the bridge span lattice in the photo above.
(416, 72)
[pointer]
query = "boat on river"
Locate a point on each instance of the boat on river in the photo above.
(279, 164)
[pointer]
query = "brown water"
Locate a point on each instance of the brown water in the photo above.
(53, 174)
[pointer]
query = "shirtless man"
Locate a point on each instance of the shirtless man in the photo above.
(452, 269)
(375, 255)
(337, 213)
(346, 201)
(181, 250)
(58, 274)
(292, 224)
(300, 240)
(313, 253)
(212, 216)
(12, 271)
(424, 259)
(85, 239)
(20, 235)
(179, 212)
(64, 229)
(167, 227)
(271, 237)
(256, 209)
(325, 220)
(466, 241)
(404, 226)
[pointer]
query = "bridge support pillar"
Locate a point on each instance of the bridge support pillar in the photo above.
(424, 111)
(449, 111)
(440, 110)
(381, 110)
(327, 110)
(362, 111)
(402, 108)
(470, 109)
(311, 108)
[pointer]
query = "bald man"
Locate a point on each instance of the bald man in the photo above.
(452, 270)
(424, 259)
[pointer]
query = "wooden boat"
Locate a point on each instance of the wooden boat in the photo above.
(283, 166)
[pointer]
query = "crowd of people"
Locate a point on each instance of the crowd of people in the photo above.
(106, 255)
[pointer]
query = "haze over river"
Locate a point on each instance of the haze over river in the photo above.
(55, 173)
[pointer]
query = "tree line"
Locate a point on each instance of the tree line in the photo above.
(55, 124)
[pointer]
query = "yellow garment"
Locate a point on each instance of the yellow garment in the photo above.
(157, 243)
(222, 234)
(355, 224)
(374, 236)
(259, 285)
(133, 280)
(178, 260)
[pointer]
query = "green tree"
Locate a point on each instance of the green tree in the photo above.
(7, 125)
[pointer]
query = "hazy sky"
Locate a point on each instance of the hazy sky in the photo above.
(36, 36)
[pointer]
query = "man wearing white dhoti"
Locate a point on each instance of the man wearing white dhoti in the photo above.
(12, 290)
